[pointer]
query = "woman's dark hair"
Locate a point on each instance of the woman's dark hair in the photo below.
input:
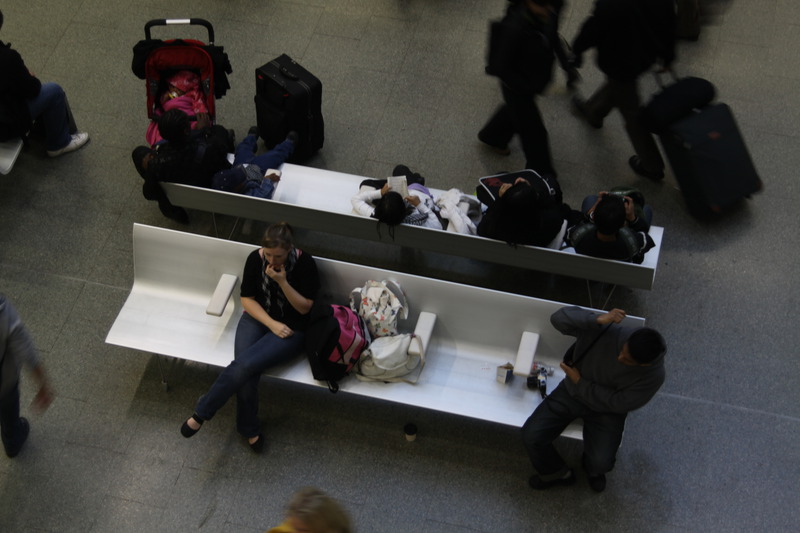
(390, 209)
(517, 214)
(609, 215)
(279, 235)
(173, 126)
(646, 345)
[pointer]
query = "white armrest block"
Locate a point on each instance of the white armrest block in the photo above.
(424, 330)
(221, 295)
(9, 151)
(527, 348)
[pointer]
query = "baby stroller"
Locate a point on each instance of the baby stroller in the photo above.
(180, 73)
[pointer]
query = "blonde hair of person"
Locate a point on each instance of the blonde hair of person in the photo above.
(318, 512)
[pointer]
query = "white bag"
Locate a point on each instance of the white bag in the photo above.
(387, 359)
(380, 304)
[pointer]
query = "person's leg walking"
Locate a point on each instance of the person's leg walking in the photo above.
(532, 133)
(600, 103)
(499, 130)
(642, 140)
(10, 422)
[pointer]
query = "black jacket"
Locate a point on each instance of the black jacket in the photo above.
(17, 85)
(629, 35)
(521, 51)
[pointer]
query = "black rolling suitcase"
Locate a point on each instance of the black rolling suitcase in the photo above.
(288, 97)
(703, 146)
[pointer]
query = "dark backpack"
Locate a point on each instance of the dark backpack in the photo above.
(335, 338)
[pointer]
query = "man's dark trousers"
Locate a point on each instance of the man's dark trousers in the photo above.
(602, 435)
(520, 114)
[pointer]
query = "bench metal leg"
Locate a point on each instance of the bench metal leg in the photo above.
(602, 285)
(164, 382)
(216, 229)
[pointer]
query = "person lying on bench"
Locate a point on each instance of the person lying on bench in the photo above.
(254, 175)
(522, 216)
(614, 227)
(376, 200)
(279, 285)
(452, 208)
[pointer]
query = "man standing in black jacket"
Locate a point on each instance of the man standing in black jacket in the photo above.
(521, 55)
(630, 36)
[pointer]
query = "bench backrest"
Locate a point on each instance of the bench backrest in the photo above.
(319, 200)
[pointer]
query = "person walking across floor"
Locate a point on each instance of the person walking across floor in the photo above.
(629, 36)
(24, 99)
(522, 55)
(610, 370)
(16, 350)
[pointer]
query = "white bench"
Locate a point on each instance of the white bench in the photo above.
(9, 151)
(476, 330)
(319, 200)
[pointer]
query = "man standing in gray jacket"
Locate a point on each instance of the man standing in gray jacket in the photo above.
(610, 370)
(16, 349)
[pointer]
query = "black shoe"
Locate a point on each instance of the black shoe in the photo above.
(538, 483)
(24, 430)
(257, 446)
(187, 431)
(598, 483)
(253, 131)
(579, 105)
(293, 136)
(636, 164)
(502, 150)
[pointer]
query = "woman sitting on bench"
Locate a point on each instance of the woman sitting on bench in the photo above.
(279, 285)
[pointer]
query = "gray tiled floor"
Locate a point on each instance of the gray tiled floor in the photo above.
(716, 450)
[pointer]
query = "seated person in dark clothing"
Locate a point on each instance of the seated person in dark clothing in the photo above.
(199, 157)
(522, 216)
(188, 156)
(612, 229)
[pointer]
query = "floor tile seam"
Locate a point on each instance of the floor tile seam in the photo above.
(748, 410)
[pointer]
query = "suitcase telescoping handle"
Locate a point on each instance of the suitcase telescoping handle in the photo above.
(169, 22)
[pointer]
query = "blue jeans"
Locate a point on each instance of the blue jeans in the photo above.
(245, 154)
(602, 435)
(256, 349)
(50, 106)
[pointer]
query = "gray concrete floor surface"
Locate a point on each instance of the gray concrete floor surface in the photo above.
(716, 449)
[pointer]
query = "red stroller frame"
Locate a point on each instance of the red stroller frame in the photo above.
(155, 61)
